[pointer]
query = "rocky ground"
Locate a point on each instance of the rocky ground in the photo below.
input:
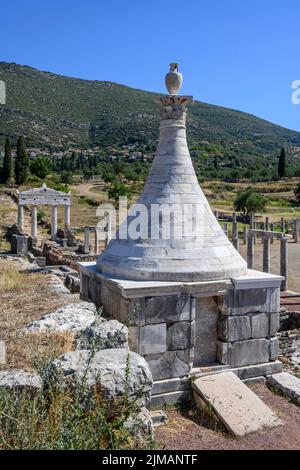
(40, 318)
(189, 429)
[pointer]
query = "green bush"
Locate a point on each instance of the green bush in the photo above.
(248, 201)
(66, 418)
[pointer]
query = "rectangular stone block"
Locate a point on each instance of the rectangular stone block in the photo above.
(84, 286)
(234, 328)
(158, 401)
(249, 352)
(134, 339)
(95, 291)
(239, 302)
(273, 303)
(171, 308)
(274, 349)
(274, 323)
(171, 364)
(169, 385)
(179, 336)
(153, 339)
(207, 314)
(257, 370)
(136, 311)
(260, 325)
(222, 352)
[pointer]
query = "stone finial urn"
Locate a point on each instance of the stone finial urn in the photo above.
(173, 80)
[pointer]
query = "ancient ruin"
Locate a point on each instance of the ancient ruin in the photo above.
(191, 304)
(39, 197)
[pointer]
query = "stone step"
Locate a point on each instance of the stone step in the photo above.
(209, 369)
(241, 411)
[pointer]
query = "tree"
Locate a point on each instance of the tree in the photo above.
(117, 190)
(21, 163)
(282, 164)
(297, 192)
(40, 167)
(7, 170)
(248, 201)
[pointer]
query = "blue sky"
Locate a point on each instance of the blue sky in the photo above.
(239, 54)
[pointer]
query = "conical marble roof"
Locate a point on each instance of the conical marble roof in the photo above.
(182, 240)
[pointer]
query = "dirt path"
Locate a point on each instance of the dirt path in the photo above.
(188, 430)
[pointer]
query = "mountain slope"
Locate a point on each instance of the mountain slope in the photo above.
(55, 112)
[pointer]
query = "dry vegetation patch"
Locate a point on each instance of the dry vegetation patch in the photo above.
(25, 297)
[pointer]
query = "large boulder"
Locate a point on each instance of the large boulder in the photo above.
(118, 372)
(103, 334)
(73, 317)
(20, 379)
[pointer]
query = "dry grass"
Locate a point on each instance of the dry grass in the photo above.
(10, 276)
(25, 350)
(24, 298)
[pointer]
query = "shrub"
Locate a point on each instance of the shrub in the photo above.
(248, 201)
(66, 418)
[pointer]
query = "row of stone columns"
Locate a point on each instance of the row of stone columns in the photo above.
(20, 221)
(266, 256)
(97, 238)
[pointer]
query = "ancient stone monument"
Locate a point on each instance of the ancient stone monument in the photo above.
(43, 196)
(185, 292)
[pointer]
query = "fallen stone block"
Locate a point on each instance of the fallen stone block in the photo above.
(20, 379)
(241, 411)
(74, 317)
(287, 384)
(117, 371)
(104, 334)
(158, 418)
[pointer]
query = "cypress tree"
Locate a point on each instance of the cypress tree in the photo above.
(7, 171)
(21, 163)
(282, 164)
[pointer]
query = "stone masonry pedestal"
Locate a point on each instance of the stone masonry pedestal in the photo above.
(182, 328)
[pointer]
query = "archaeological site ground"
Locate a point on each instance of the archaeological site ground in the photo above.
(149, 263)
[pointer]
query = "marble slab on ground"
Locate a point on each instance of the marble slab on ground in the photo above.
(241, 411)
(287, 384)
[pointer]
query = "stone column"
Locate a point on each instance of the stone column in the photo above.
(234, 226)
(34, 221)
(235, 233)
(266, 254)
(284, 262)
(225, 228)
(251, 221)
(96, 241)
(272, 230)
(67, 218)
(250, 251)
(282, 224)
(20, 222)
(296, 230)
(267, 224)
(86, 240)
(54, 223)
(109, 229)
(254, 236)
(245, 235)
